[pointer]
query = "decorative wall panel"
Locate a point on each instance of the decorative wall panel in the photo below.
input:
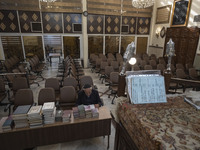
(8, 21)
(112, 44)
(112, 24)
(95, 45)
(26, 18)
(70, 20)
(95, 24)
(130, 22)
(52, 22)
(143, 25)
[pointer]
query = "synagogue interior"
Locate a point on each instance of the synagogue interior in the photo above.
(139, 60)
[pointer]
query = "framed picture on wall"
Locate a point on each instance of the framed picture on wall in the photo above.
(163, 14)
(180, 13)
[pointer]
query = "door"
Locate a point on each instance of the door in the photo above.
(141, 45)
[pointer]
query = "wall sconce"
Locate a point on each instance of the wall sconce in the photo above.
(158, 32)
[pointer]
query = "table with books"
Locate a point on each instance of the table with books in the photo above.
(53, 126)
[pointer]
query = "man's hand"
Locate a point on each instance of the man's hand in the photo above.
(96, 106)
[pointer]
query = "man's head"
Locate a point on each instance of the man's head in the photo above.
(87, 89)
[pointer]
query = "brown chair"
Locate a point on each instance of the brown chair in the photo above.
(108, 70)
(67, 97)
(3, 93)
(53, 83)
(46, 95)
(147, 67)
(180, 73)
(180, 66)
(153, 64)
(193, 74)
(115, 65)
(114, 77)
(110, 55)
(86, 80)
(142, 64)
(102, 69)
(71, 81)
(136, 68)
(161, 67)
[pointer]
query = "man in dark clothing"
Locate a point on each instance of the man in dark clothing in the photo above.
(88, 96)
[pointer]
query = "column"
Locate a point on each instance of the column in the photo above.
(85, 36)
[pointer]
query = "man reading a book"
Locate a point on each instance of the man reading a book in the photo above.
(88, 96)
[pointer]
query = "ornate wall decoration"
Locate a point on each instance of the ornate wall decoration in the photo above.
(70, 20)
(112, 24)
(52, 22)
(95, 24)
(131, 23)
(26, 18)
(8, 21)
(143, 25)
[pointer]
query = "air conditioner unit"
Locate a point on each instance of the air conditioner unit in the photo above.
(77, 27)
(36, 27)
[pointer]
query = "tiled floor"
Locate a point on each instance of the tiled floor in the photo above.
(98, 143)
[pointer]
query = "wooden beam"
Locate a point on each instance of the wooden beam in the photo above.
(62, 4)
(135, 9)
(61, 10)
(106, 1)
(136, 14)
(103, 12)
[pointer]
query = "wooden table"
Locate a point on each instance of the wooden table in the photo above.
(58, 132)
(54, 55)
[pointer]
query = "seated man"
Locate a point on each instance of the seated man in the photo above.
(88, 96)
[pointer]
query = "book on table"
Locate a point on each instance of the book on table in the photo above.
(35, 116)
(8, 124)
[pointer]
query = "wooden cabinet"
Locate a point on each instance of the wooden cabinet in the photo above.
(123, 140)
(186, 42)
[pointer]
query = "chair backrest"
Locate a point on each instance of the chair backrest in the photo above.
(188, 66)
(180, 66)
(153, 63)
(103, 65)
(86, 80)
(21, 68)
(108, 70)
(23, 97)
(143, 63)
(193, 73)
(110, 55)
(46, 95)
(67, 94)
(70, 81)
(160, 67)
(53, 83)
(180, 73)
(20, 83)
(115, 65)
(136, 67)
(119, 56)
(147, 67)
(114, 77)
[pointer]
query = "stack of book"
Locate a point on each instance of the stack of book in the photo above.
(95, 113)
(20, 116)
(81, 111)
(59, 114)
(66, 115)
(49, 112)
(35, 117)
(75, 112)
(88, 110)
(8, 124)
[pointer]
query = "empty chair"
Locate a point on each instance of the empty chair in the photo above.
(46, 95)
(188, 66)
(153, 64)
(103, 57)
(71, 81)
(98, 63)
(115, 66)
(108, 70)
(109, 60)
(142, 64)
(114, 77)
(102, 69)
(160, 67)
(3, 92)
(146, 59)
(67, 97)
(147, 67)
(53, 83)
(119, 56)
(136, 68)
(110, 55)
(180, 73)
(180, 66)
(193, 74)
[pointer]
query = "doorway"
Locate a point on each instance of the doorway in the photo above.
(71, 46)
(141, 45)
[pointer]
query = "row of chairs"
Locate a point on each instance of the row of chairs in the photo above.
(11, 63)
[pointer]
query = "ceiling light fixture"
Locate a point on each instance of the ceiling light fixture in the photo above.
(48, 1)
(142, 3)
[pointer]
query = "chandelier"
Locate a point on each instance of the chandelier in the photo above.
(48, 1)
(142, 3)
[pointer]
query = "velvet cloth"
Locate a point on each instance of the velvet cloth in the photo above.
(171, 125)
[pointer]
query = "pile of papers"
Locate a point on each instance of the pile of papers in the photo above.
(75, 112)
(95, 113)
(81, 111)
(20, 116)
(88, 110)
(49, 112)
(8, 124)
(66, 117)
(35, 116)
(59, 114)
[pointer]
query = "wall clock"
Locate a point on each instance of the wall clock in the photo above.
(162, 32)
